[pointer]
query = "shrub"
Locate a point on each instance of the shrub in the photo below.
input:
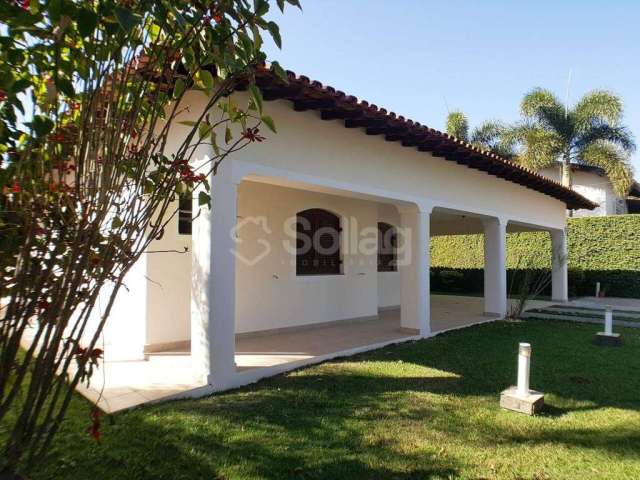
(601, 249)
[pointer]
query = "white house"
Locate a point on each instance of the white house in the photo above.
(251, 299)
(593, 184)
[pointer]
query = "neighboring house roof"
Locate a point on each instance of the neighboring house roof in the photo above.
(334, 104)
(634, 191)
(579, 167)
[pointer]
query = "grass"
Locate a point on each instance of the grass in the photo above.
(426, 409)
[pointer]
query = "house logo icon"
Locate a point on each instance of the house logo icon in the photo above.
(259, 227)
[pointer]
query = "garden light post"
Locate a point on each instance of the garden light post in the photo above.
(524, 367)
(608, 320)
(521, 398)
(608, 338)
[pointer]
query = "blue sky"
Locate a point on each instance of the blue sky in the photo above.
(422, 58)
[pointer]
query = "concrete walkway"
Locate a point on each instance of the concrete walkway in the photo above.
(632, 304)
(626, 312)
(122, 385)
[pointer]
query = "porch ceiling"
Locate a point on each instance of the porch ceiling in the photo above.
(445, 222)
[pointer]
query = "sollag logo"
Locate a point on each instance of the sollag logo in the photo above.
(256, 228)
(254, 239)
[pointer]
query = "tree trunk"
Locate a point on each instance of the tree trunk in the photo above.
(566, 175)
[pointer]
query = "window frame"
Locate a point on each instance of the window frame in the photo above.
(322, 264)
(387, 261)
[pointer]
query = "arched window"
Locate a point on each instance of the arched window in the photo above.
(387, 248)
(318, 243)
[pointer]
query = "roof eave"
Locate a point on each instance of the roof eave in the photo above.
(333, 104)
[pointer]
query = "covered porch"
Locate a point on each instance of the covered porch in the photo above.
(120, 385)
(249, 311)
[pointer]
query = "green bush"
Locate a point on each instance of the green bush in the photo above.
(601, 249)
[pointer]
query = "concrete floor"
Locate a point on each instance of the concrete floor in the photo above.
(121, 385)
(617, 303)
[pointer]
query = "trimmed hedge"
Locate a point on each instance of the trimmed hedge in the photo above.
(601, 249)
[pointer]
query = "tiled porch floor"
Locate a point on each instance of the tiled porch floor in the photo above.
(127, 384)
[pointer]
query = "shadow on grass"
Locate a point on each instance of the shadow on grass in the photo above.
(267, 438)
(565, 363)
(393, 413)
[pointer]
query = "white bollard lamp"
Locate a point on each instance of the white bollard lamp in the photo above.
(521, 398)
(608, 338)
(524, 368)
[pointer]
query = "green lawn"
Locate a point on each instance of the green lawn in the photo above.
(427, 409)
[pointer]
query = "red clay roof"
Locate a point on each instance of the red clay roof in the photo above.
(333, 104)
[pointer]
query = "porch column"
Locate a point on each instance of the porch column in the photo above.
(414, 270)
(213, 292)
(559, 266)
(495, 269)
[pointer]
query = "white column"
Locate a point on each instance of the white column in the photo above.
(495, 268)
(559, 268)
(213, 291)
(414, 270)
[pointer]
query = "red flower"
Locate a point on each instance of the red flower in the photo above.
(43, 305)
(96, 353)
(94, 428)
(58, 137)
(79, 351)
(3, 95)
(16, 187)
(251, 134)
(23, 4)
(217, 16)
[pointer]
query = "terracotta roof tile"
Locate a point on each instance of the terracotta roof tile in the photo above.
(335, 104)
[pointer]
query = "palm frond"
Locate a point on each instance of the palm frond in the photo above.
(598, 106)
(540, 147)
(490, 136)
(614, 162)
(544, 108)
(487, 132)
(603, 132)
(458, 125)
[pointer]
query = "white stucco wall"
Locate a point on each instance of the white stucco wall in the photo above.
(269, 294)
(123, 336)
(596, 188)
(168, 287)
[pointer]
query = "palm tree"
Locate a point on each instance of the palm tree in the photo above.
(589, 133)
(489, 135)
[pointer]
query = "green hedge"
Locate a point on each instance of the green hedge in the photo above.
(601, 249)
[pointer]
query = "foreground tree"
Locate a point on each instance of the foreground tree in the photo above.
(589, 133)
(489, 135)
(89, 90)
